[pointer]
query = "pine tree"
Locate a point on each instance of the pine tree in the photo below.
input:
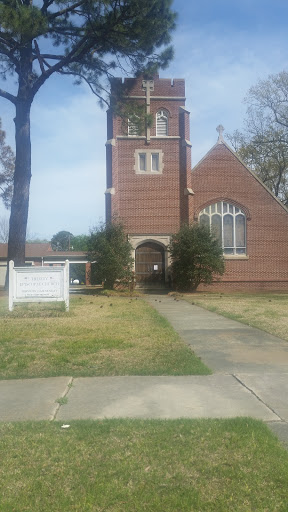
(88, 39)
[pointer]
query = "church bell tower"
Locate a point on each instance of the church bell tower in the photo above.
(149, 169)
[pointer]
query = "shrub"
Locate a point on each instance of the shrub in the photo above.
(196, 256)
(109, 248)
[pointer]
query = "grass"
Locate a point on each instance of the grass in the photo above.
(137, 466)
(266, 311)
(62, 400)
(101, 335)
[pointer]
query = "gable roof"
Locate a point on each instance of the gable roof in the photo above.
(222, 142)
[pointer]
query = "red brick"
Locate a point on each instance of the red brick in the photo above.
(156, 204)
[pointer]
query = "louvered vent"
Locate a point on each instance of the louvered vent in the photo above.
(162, 123)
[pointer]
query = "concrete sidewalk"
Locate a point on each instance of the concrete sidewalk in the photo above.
(224, 345)
(216, 396)
(258, 360)
(250, 379)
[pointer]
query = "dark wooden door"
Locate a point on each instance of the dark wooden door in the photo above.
(150, 263)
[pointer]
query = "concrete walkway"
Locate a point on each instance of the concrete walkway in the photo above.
(250, 379)
(226, 346)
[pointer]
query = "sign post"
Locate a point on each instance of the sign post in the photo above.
(38, 284)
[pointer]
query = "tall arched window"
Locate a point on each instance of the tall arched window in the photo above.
(162, 123)
(228, 223)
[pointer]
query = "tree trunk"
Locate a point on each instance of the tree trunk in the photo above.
(22, 177)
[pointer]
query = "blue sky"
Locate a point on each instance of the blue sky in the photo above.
(222, 48)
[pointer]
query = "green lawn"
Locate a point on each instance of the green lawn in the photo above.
(101, 335)
(137, 466)
(234, 465)
(266, 311)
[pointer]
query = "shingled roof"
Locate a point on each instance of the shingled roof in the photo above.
(41, 250)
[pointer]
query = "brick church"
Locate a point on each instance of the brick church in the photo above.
(151, 188)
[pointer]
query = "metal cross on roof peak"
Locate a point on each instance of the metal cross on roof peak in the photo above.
(220, 130)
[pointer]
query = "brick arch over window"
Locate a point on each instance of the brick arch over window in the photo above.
(224, 200)
(152, 240)
(228, 223)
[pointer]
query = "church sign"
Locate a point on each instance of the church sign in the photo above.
(38, 284)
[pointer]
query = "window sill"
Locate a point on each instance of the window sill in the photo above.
(235, 257)
(154, 173)
(165, 137)
(129, 137)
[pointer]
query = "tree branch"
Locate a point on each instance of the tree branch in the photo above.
(8, 39)
(46, 4)
(39, 57)
(65, 11)
(8, 96)
(48, 56)
(10, 56)
(70, 57)
(88, 83)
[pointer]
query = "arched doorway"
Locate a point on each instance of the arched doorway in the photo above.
(150, 263)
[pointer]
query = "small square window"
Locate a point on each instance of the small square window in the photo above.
(149, 161)
(155, 162)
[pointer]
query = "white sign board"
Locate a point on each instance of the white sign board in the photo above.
(38, 284)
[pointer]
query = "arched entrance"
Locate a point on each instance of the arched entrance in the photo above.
(150, 263)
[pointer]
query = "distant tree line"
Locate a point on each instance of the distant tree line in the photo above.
(66, 241)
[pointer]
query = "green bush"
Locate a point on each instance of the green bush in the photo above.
(109, 248)
(196, 256)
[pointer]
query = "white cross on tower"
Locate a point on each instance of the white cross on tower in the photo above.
(220, 130)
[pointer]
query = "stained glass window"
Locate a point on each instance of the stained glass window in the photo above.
(228, 224)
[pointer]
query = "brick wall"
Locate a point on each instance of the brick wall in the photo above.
(221, 176)
(156, 204)
(151, 203)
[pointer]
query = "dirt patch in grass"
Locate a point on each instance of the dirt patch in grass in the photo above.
(101, 335)
(268, 311)
(130, 465)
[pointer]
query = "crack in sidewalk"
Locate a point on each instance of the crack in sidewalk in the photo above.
(258, 397)
(59, 404)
